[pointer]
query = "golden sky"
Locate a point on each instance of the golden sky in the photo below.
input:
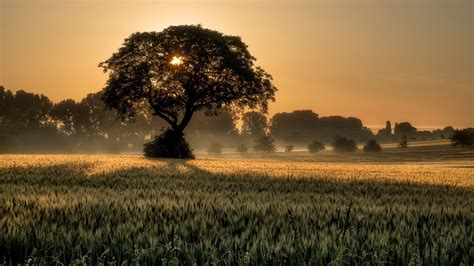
(373, 59)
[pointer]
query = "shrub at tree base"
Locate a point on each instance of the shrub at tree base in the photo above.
(372, 146)
(170, 144)
(342, 144)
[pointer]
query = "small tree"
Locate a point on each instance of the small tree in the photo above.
(242, 148)
(264, 144)
(289, 148)
(463, 137)
(372, 146)
(215, 148)
(315, 146)
(404, 142)
(342, 144)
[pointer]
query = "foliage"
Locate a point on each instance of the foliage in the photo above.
(129, 210)
(170, 144)
(215, 148)
(463, 137)
(242, 148)
(289, 148)
(342, 144)
(372, 146)
(315, 146)
(264, 144)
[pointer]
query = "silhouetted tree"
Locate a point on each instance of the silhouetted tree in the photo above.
(180, 71)
(448, 131)
(404, 128)
(73, 118)
(254, 124)
(301, 126)
(342, 144)
(404, 142)
(29, 110)
(289, 148)
(372, 146)
(264, 144)
(215, 148)
(463, 137)
(242, 148)
(297, 126)
(315, 146)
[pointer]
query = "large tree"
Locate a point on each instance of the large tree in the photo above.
(182, 70)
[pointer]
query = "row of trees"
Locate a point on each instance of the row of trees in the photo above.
(32, 122)
(265, 144)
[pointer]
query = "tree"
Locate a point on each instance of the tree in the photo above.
(342, 144)
(315, 146)
(372, 146)
(242, 148)
(72, 116)
(183, 70)
(404, 142)
(254, 124)
(289, 148)
(215, 148)
(404, 128)
(463, 137)
(264, 144)
(298, 126)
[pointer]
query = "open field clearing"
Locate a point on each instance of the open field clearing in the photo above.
(397, 207)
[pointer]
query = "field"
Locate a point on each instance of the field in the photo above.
(397, 207)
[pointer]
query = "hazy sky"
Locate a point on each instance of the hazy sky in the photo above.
(375, 59)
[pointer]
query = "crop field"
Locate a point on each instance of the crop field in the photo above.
(397, 207)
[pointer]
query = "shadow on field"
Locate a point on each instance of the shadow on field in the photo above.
(179, 174)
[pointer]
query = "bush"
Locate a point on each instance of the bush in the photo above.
(463, 137)
(289, 148)
(242, 148)
(215, 148)
(372, 146)
(342, 144)
(315, 146)
(264, 144)
(170, 144)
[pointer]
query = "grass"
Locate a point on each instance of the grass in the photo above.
(280, 209)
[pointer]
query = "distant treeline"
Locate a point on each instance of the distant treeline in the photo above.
(33, 123)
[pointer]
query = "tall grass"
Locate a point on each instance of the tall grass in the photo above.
(123, 209)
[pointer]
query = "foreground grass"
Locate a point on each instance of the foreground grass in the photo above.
(116, 209)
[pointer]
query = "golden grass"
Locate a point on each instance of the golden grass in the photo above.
(453, 173)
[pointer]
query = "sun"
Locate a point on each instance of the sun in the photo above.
(176, 61)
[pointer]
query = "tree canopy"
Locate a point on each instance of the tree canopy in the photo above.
(182, 70)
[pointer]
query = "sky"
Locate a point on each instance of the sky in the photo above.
(378, 60)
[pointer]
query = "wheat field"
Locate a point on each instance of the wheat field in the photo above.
(259, 210)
